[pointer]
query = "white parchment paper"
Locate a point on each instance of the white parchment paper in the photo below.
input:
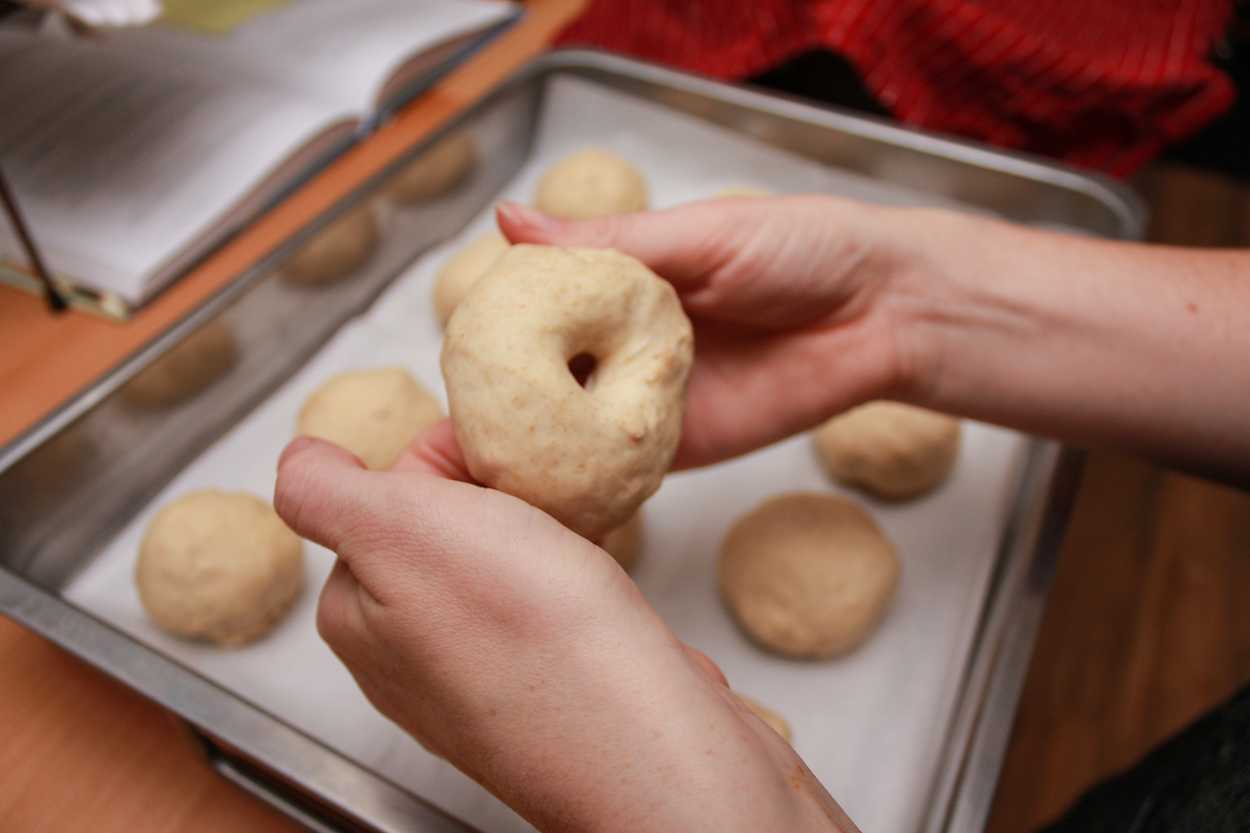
(869, 725)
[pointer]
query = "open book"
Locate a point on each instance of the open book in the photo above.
(132, 153)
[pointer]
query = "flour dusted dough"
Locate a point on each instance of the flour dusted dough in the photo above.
(437, 171)
(808, 574)
(463, 269)
(892, 450)
(774, 720)
(337, 250)
(201, 359)
(219, 566)
(625, 542)
(591, 183)
(588, 455)
(374, 414)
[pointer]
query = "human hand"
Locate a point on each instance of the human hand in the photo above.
(788, 297)
(522, 654)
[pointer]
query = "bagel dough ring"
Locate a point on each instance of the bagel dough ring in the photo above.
(808, 574)
(374, 414)
(891, 450)
(463, 269)
(336, 251)
(591, 183)
(219, 566)
(194, 364)
(435, 172)
(625, 542)
(589, 456)
(774, 720)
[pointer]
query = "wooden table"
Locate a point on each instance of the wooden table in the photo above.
(1147, 626)
(1144, 630)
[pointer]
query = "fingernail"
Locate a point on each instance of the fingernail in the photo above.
(294, 447)
(515, 212)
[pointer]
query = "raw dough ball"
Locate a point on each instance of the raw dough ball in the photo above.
(808, 575)
(742, 191)
(219, 566)
(374, 414)
(337, 250)
(202, 358)
(588, 455)
(774, 720)
(436, 172)
(54, 472)
(591, 183)
(462, 270)
(625, 542)
(891, 450)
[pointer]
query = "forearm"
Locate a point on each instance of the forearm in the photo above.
(1097, 343)
(645, 741)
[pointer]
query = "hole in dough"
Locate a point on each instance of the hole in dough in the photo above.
(582, 366)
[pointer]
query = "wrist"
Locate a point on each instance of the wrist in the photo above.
(929, 310)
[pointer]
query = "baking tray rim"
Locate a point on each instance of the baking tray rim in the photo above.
(1122, 200)
(313, 766)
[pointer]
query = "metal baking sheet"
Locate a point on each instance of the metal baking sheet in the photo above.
(905, 732)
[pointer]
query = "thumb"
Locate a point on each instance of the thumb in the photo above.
(705, 664)
(435, 452)
(684, 245)
(321, 490)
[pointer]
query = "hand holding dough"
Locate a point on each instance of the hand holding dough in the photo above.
(590, 451)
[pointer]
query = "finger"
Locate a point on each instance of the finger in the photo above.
(340, 621)
(322, 491)
(760, 263)
(374, 521)
(705, 665)
(390, 526)
(343, 624)
(683, 245)
(435, 452)
(796, 380)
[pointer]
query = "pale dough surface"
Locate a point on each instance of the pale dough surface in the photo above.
(625, 542)
(337, 250)
(201, 359)
(891, 450)
(735, 191)
(808, 574)
(374, 414)
(219, 566)
(591, 183)
(437, 171)
(589, 455)
(463, 270)
(774, 720)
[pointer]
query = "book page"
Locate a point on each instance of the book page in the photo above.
(341, 53)
(119, 157)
